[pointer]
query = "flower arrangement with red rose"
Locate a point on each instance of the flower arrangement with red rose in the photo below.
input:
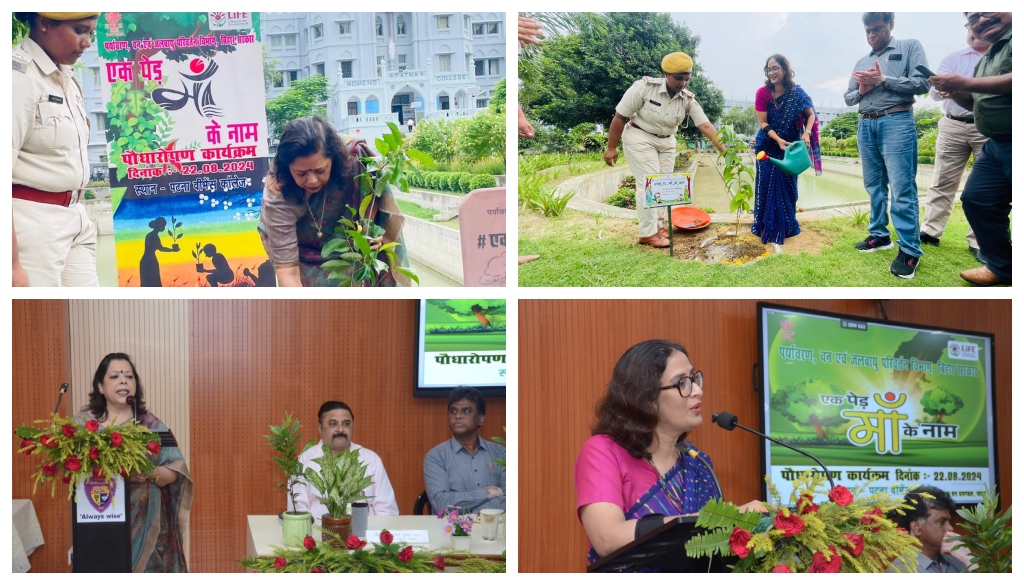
(74, 451)
(820, 531)
(387, 556)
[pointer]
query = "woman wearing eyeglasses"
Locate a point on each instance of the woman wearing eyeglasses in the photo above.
(647, 119)
(785, 114)
(630, 478)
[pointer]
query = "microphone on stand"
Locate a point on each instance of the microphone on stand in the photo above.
(60, 395)
(727, 421)
(687, 448)
(131, 400)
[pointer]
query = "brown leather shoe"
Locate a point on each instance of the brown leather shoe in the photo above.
(655, 241)
(982, 276)
(663, 232)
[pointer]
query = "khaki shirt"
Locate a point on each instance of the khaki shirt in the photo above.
(647, 104)
(50, 128)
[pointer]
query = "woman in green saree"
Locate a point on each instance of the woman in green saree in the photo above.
(160, 500)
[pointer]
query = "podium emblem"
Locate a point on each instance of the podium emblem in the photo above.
(100, 492)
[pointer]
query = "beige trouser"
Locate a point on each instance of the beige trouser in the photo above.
(953, 147)
(56, 245)
(648, 155)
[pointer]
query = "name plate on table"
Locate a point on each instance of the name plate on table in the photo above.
(101, 500)
(406, 536)
(667, 189)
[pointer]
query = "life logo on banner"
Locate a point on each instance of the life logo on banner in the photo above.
(101, 500)
(962, 351)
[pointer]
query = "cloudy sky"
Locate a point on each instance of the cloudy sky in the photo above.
(821, 47)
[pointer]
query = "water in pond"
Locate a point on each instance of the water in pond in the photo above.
(829, 189)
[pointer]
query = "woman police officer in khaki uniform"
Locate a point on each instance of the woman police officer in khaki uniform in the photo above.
(54, 242)
(646, 119)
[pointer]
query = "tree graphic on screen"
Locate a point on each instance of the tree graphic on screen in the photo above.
(800, 404)
(483, 310)
(940, 402)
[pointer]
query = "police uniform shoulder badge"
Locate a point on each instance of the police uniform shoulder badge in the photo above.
(20, 62)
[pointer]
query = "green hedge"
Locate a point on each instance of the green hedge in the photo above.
(927, 158)
(451, 181)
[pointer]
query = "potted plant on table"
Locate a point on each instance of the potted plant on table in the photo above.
(456, 525)
(341, 481)
(285, 440)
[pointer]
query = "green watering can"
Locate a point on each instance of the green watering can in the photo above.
(795, 159)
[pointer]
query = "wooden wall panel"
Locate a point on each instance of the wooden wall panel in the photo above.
(39, 365)
(568, 348)
(253, 360)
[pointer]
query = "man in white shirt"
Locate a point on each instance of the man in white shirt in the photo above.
(336, 421)
(957, 139)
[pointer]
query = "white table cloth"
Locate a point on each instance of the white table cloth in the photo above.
(28, 535)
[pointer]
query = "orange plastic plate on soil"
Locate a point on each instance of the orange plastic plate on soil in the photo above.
(690, 219)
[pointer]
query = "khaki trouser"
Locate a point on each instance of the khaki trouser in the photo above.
(56, 245)
(953, 147)
(648, 155)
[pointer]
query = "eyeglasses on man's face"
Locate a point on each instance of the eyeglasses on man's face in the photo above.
(976, 18)
(685, 384)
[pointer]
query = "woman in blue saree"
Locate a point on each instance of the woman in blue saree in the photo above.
(785, 114)
(630, 477)
(160, 500)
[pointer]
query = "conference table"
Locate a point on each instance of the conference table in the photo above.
(265, 533)
(27, 535)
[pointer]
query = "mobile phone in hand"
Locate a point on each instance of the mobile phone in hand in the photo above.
(924, 70)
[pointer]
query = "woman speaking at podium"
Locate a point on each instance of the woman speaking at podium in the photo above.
(160, 501)
(630, 478)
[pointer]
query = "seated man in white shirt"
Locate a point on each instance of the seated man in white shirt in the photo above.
(336, 421)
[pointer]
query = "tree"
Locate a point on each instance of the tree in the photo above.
(19, 30)
(842, 126)
(927, 121)
(580, 76)
(303, 98)
(271, 75)
(437, 138)
(800, 404)
(482, 136)
(498, 98)
(940, 402)
(742, 120)
(481, 309)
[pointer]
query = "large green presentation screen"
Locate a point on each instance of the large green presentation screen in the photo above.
(886, 406)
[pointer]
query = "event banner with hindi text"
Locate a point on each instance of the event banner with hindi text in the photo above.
(463, 343)
(188, 150)
(884, 406)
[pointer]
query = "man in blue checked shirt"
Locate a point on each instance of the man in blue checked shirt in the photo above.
(883, 86)
(461, 471)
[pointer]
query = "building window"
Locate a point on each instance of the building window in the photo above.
(291, 40)
(353, 108)
(279, 82)
(380, 27)
(442, 23)
(319, 69)
(345, 28)
(372, 106)
(318, 30)
(442, 102)
(481, 103)
(492, 28)
(346, 68)
(276, 41)
(381, 65)
(479, 67)
(99, 123)
(292, 76)
(444, 63)
(494, 66)
(400, 25)
(478, 28)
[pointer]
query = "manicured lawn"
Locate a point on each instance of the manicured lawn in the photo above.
(579, 249)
